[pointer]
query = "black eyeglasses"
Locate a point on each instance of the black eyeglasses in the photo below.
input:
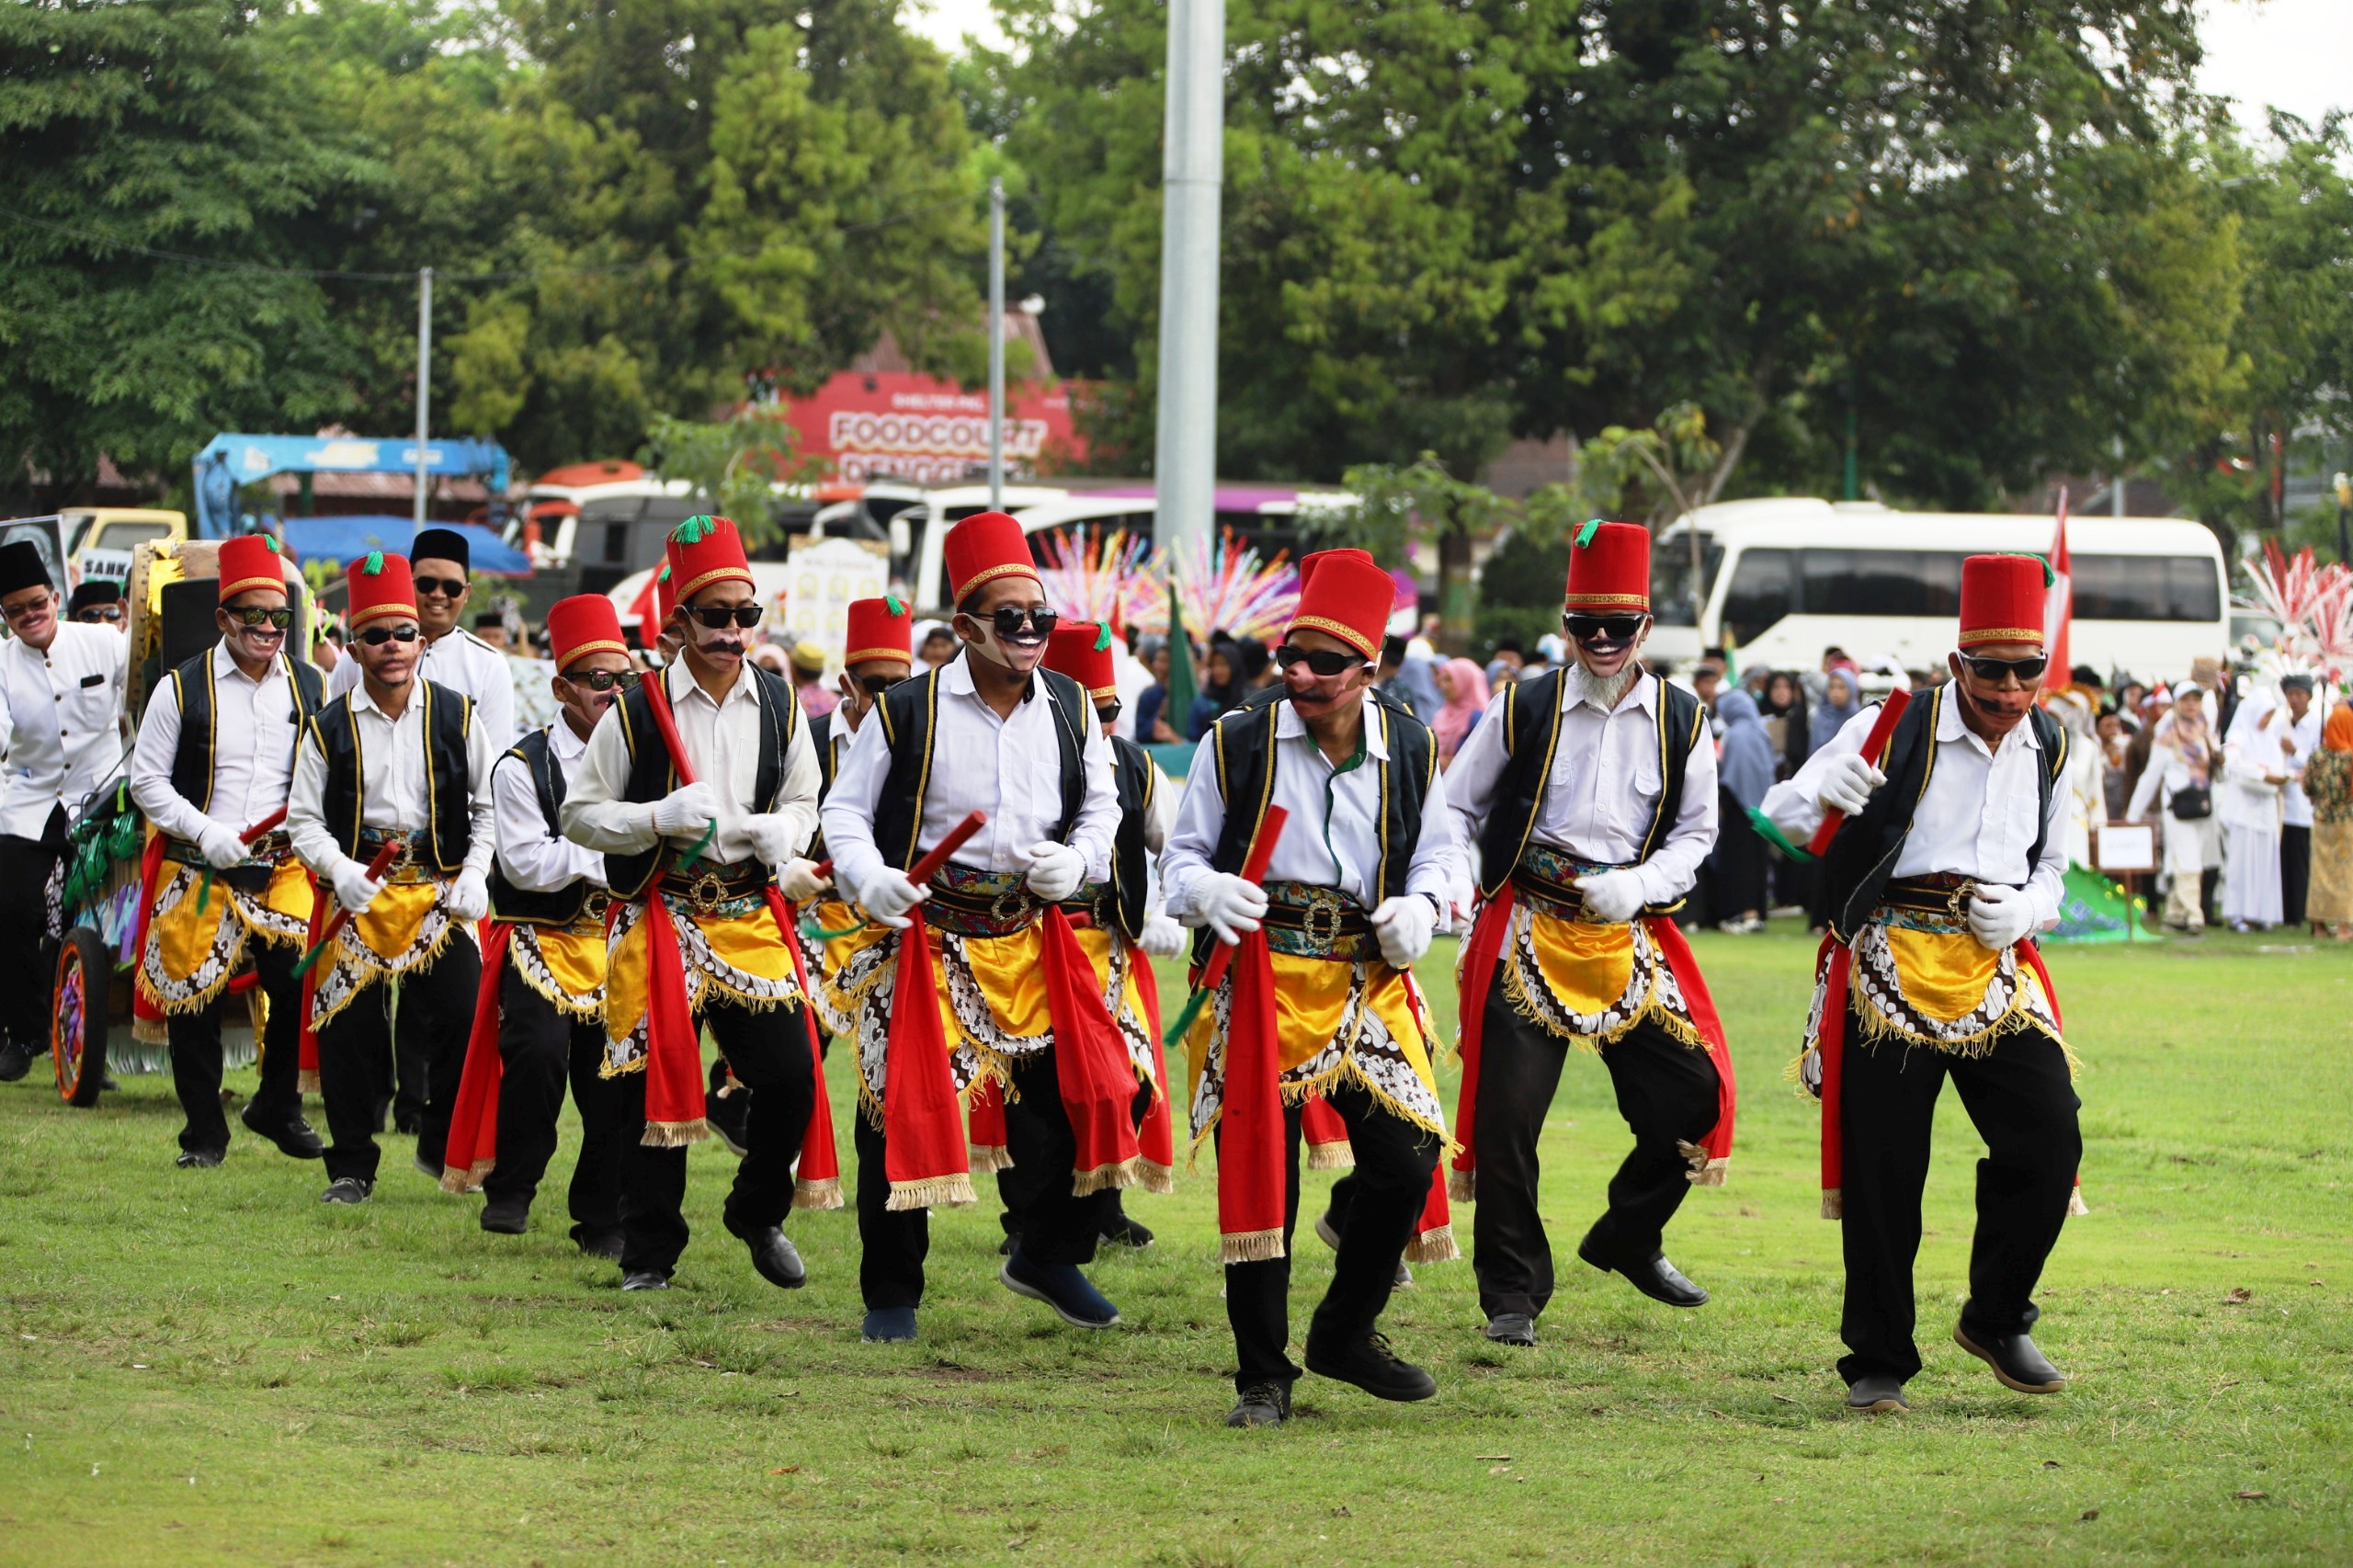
(1592, 628)
(717, 616)
(876, 685)
(452, 587)
(377, 636)
(96, 613)
(1991, 671)
(279, 618)
(604, 680)
(1323, 661)
(1008, 619)
(19, 611)
(1108, 712)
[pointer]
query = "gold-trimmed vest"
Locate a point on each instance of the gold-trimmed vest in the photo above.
(514, 905)
(651, 776)
(447, 716)
(909, 714)
(193, 684)
(1136, 781)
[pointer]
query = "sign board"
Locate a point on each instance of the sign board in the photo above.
(901, 424)
(2127, 846)
(113, 563)
(823, 576)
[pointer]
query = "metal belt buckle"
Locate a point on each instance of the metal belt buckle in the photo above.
(1320, 922)
(1957, 905)
(1009, 906)
(707, 892)
(597, 905)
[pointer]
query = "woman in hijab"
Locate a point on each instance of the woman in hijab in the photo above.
(1744, 772)
(1464, 685)
(1785, 723)
(1222, 689)
(1840, 703)
(2329, 784)
(2181, 768)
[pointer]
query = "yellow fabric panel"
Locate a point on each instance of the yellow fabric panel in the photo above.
(750, 942)
(625, 984)
(1011, 971)
(183, 937)
(575, 959)
(289, 892)
(1944, 973)
(1585, 966)
(391, 923)
(832, 914)
(1311, 995)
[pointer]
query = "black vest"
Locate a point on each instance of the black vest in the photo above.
(192, 685)
(651, 777)
(510, 903)
(909, 713)
(1530, 712)
(1137, 779)
(821, 735)
(1862, 855)
(447, 717)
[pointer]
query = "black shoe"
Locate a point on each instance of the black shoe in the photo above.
(1877, 1393)
(1512, 1328)
(294, 1137)
(1373, 1366)
(2015, 1360)
(598, 1243)
(200, 1159)
(888, 1325)
(1123, 1232)
(645, 1279)
(15, 1061)
(347, 1189)
(1261, 1404)
(1653, 1276)
(506, 1216)
(729, 1116)
(773, 1256)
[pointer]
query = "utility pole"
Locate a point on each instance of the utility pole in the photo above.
(423, 380)
(996, 344)
(1192, 176)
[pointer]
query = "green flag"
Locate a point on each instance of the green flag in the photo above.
(1178, 709)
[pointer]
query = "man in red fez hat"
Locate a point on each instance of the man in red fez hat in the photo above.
(1320, 1000)
(397, 760)
(695, 785)
(981, 987)
(539, 1015)
(1591, 791)
(214, 759)
(1948, 859)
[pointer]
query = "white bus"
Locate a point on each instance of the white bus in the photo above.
(1786, 578)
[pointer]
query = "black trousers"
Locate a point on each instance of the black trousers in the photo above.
(1667, 1092)
(196, 1052)
(32, 871)
(539, 1050)
(1055, 1226)
(2295, 873)
(768, 1051)
(2022, 1105)
(1016, 1188)
(1376, 1221)
(356, 1045)
(409, 1082)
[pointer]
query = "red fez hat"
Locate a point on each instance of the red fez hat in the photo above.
(582, 625)
(1082, 650)
(380, 586)
(665, 601)
(2002, 598)
(703, 550)
(1308, 563)
(881, 629)
(1610, 569)
(983, 548)
(249, 562)
(1349, 598)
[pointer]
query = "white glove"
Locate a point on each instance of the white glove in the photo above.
(222, 849)
(688, 808)
(1848, 783)
(887, 899)
(1056, 871)
(354, 889)
(1611, 896)
(1162, 938)
(1229, 905)
(799, 881)
(1404, 925)
(1998, 916)
(772, 838)
(470, 896)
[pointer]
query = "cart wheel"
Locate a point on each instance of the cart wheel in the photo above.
(77, 1036)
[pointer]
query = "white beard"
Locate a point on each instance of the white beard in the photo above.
(1604, 695)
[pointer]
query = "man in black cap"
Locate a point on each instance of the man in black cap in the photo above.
(98, 602)
(61, 713)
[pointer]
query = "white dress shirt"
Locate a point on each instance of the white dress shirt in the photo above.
(464, 663)
(1007, 767)
(1604, 787)
(60, 711)
(392, 785)
(530, 856)
(252, 750)
(1977, 818)
(1339, 847)
(2295, 806)
(723, 742)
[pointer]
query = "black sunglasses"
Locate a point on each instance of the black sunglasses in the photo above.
(876, 685)
(1613, 628)
(1006, 619)
(377, 636)
(604, 680)
(96, 613)
(1321, 661)
(452, 588)
(1991, 671)
(717, 616)
(1108, 712)
(248, 616)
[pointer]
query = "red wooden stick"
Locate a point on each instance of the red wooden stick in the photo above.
(262, 826)
(1882, 730)
(385, 854)
(1253, 870)
(929, 866)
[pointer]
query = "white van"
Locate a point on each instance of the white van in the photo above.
(1786, 578)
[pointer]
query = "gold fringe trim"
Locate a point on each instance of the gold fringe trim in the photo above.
(1154, 1178)
(1654, 1007)
(817, 1194)
(606, 1069)
(372, 970)
(1337, 1156)
(151, 1031)
(1463, 1186)
(1118, 1174)
(1434, 1246)
(675, 1134)
(1833, 1204)
(932, 1192)
(2075, 1204)
(988, 1159)
(1251, 1246)
(466, 1180)
(1705, 1171)
(1347, 1070)
(306, 1081)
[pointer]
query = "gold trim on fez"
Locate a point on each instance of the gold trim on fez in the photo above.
(244, 585)
(2003, 634)
(601, 645)
(1103, 693)
(1339, 628)
(1577, 601)
(716, 575)
(990, 575)
(879, 656)
(377, 612)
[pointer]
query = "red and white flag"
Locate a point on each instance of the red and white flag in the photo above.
(2059, 606)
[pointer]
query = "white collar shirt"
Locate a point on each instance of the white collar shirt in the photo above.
(530, 856)
(463, 663)
(392, 785)
(252, 750)
(2304, 735)
(61, 713)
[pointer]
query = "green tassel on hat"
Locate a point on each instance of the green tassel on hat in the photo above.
(373, 566)
(1102, 636)
(665, 575)
(891, 602)
(1584, 534)
(694, 529)
(2049, 577)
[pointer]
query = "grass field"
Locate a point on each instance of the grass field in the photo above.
(213, 1367)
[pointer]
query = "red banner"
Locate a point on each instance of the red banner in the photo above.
(901, 424)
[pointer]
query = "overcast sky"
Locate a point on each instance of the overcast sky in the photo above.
(2297, 54)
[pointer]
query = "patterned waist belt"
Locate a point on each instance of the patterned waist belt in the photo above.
(1936, 902)
(1547, 878)
(715, 889)
(405, 868)
(263, 855)
(1309, 920)
(973, 902)
(590, 922)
